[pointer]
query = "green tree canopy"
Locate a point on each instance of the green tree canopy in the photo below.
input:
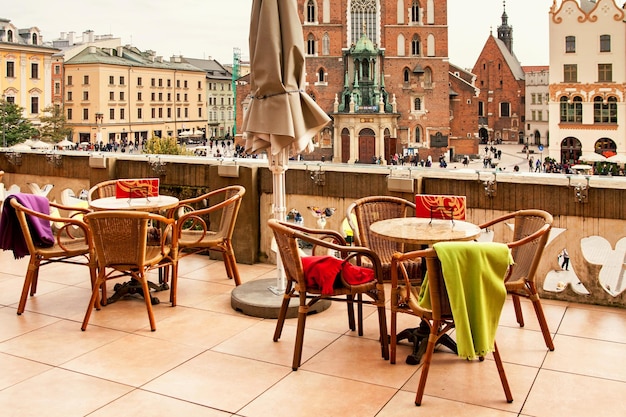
(165, 146)
(53, 127)
(14, 127)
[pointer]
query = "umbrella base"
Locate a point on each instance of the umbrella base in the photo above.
(255, 299)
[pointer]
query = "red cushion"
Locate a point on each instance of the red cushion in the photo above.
(322, 272)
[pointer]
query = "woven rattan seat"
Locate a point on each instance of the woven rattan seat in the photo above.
(287, 237)
(102, 189)
(531, 229)
(131, 243)
(369, 210)
(207, 223)
(71, 244)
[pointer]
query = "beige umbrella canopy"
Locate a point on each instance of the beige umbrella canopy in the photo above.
(281, 116)
(592, 157)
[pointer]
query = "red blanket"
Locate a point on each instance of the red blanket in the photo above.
(325, 272)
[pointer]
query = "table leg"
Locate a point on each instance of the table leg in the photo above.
(418, 336)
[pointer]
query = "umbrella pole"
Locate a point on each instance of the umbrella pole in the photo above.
(278, 166)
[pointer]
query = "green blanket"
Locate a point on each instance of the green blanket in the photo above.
(474, 275)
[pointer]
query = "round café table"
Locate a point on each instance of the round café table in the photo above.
(424, 231)
(152, 204)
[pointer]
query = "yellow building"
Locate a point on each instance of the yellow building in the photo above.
(25, 69)
(124, 95)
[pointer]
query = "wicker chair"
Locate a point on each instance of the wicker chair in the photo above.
(72, 242)
(438, 317)
(101, 190)
(368, 210)
(207, 223)
(287, 237)
(131, 243)
(531, 229)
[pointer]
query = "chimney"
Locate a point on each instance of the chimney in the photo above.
(70, 37)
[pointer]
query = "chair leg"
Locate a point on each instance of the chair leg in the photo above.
(393, 337)
(518, 310)
(359, 313)
(430, 349)
(33, 266)
(505, 382)
(541, 318)
(282, 314)
(382, 327)
(297, 353)
(148, 299)
(100, 280)
(35, 280)
(351, 322)
(229, 256)
(173, 283)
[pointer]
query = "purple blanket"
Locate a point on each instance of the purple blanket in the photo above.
(11, 236)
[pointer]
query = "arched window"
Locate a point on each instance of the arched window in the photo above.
(415, 12)
(321, 76)
(400, 46)
(10, 36)
(418, 134)
(400, 12)
(604, 112)
(310, 45)
(34, 38)
(310, 11)
(415, 45)
(326, 44)
(363, 16)
(428, 78)
(406, 76)
(417, 104)
(571, 112)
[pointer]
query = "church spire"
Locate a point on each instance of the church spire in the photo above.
(505, 32)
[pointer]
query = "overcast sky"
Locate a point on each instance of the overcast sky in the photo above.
(213, 28)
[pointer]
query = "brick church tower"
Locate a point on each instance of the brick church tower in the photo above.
(380, 69)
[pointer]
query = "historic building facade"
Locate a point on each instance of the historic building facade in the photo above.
(381, 70)
(501, 80)
(25, 69)
(125, 95)
(587, 79)
(537, 104)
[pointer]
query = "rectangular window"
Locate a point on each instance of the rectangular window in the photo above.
(34, 70)
(57, 87)
(532, 114)
(169, 112)
(185, 83)
(122, 114)
(153, 113)
(199, 84)
(169, 83)
(111, 95)
(122, 96)
(152, 96)
(160, 96)
(139, 113)
(34, 105)
(57, 70)
(85, 114)
(85, 95)
(153, 82)
(199, 97)
(69, 114)
(112, 114)
(122, 82)
(539, 98)
(69, 96)
(533, 99)
(177, 83)
(69, 80)
(178, 112)
(169, 96)
(199, 111)
(540, 116)
(186, 97)
(570, 44)
(605, 73)
(160, 82)
(111, 80)
(139, 98)
(160, 112)
(139, 81)
(10, 69)
(505, 109)
(570, 73)
(186, 112)
(605, 43)
(85, 79)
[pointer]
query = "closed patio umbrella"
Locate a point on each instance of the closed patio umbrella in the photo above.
(281, 117)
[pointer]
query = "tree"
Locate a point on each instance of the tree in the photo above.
(15, 128)
(164, 146)
(53, 124)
